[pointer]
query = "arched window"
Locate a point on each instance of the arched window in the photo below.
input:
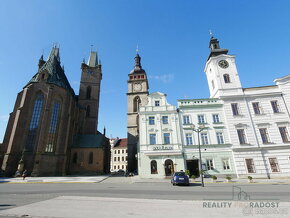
(88, 111)
(91, 157)
(88, 93)
(75, 158)
(154, 167)
(137, 102)
(227, 78)
(34, 123)
(52, 132)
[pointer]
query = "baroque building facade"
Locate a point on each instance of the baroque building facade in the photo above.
(245, 131)
(48, 118)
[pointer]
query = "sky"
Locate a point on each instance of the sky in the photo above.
(172, 36)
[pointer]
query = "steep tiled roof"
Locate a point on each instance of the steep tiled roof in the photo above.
(55, 72)
(122, 143)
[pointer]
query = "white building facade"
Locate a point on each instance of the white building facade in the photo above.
(246, 130)
(257, 118)
(160, 148)
(216, 149)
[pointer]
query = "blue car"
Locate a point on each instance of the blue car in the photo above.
(180, 178)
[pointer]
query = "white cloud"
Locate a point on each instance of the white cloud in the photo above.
(165, 78)
(4, 118)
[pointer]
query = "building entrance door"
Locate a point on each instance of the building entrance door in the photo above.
(192, 166)
(169, 170)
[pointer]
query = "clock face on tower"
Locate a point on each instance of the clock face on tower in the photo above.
(223, 64)
(137, 87)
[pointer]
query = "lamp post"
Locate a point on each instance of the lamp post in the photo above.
(198, 130)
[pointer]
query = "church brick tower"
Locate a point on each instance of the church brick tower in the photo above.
(89, 94)
(137, 96)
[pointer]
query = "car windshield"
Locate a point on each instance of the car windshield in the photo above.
(179, 174)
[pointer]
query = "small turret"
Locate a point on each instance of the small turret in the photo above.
(41, 62)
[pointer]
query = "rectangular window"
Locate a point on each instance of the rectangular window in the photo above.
(256, 107)
(250, 165)
(157, 103)
(115, 159)
(166, 137)
(118, 151)
(114, 167)
(235, 109)
(115, 151)
(274, 165)
(220, 138)
(209, 164)
(204, 138)
(186, 119)
(151, 120)
(122, 158)
(152, 139)
(284, 134)
(275, 106)
(226, 164)
(188, 137)
(216, 118)
(165, 119)
(118, 158)
(242, 136)
(264, 135)
(200, 119)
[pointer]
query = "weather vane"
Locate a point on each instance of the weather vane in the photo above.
(210, 33)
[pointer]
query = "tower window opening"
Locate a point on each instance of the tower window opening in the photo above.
(137, 102)
(89, 91)
(227, 78)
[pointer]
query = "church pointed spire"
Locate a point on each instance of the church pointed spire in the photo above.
(93, 59)
(54, 54)
(137, 67)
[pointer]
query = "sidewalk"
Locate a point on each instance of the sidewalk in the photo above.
(62, 179)
(130, 180)
(137, 179)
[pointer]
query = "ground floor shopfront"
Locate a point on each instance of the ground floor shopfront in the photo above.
(160, 164)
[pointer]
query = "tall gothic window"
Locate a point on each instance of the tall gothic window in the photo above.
(52, 132)
(89, 91)
(91, 157)
(34, 123)
(88, 111)
(137, 102)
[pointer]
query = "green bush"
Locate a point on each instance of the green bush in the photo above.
(250, 178)
(187, 172)
(228, 178)
(193, 177)
(214, 177)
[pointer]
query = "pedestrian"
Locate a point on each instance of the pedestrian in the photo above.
(24, 174)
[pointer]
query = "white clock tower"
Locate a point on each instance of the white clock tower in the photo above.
(137, 96)
(222, 75)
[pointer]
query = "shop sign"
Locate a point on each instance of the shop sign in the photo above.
(162, 148)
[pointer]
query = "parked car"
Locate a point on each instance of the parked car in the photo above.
(179, 178)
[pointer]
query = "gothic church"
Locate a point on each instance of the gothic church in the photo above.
(53, 131)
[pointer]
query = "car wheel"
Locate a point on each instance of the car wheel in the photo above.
(174, 184)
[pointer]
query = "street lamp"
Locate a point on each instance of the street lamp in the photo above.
(198, 130)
